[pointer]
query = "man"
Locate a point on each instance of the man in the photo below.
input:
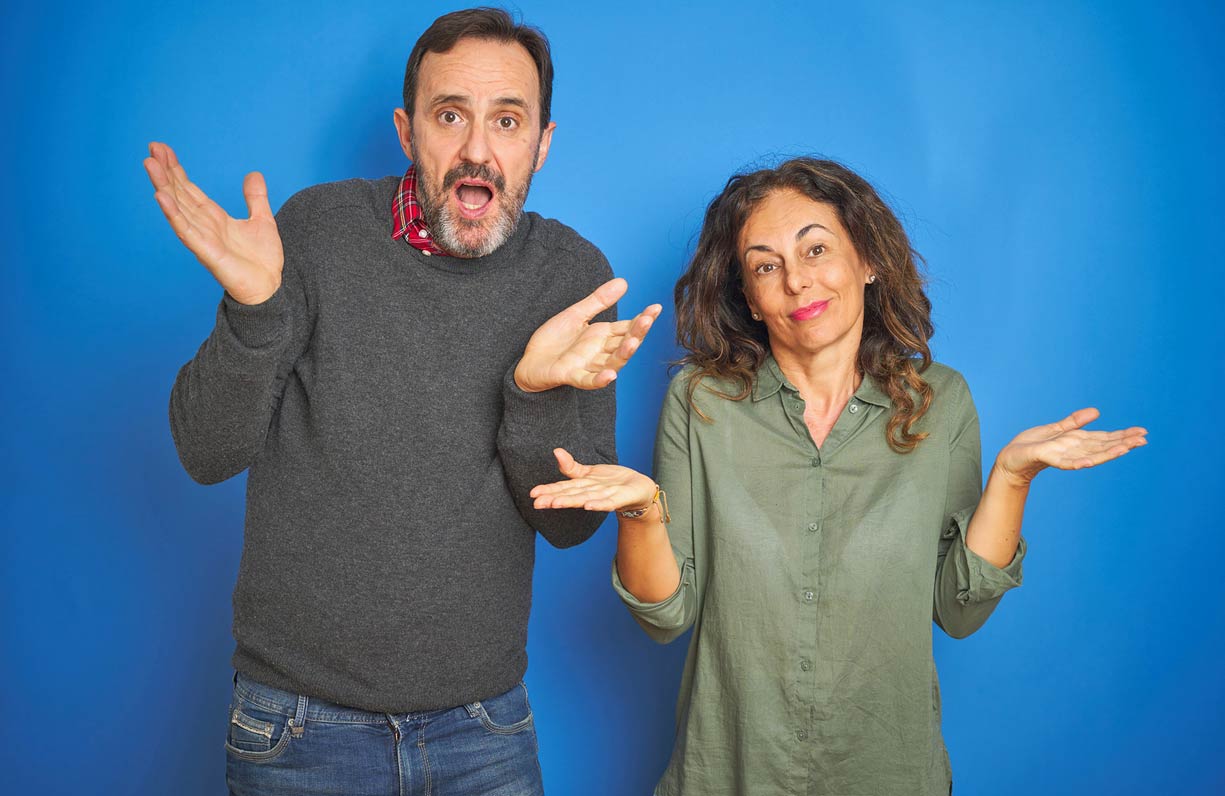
(374, 366)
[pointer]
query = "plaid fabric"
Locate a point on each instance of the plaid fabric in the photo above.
(407, 222)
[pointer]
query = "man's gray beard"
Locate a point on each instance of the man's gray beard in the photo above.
(445, 223)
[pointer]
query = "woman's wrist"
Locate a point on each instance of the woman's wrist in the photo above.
(1019, 481)
(640, 510)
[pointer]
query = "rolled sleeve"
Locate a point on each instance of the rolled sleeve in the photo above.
(978, 580)
(664, 620)
(968, 587)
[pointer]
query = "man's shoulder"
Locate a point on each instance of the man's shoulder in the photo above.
(329, 197)
(558, 237)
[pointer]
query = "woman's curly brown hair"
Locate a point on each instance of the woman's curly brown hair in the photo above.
(713, 319)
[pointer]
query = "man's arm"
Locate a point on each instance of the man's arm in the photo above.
(554, 397)
(223, 399)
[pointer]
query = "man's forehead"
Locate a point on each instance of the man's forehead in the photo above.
(480, 69)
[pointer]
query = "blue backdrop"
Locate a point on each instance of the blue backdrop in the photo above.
(1060, 165)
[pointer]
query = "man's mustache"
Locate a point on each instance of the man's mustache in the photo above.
(473, 171)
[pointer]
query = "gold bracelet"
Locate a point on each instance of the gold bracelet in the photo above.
(660, 497)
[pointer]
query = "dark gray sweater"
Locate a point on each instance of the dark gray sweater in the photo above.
(387, 560)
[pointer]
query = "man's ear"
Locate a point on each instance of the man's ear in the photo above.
(546, 138)
(404, 130)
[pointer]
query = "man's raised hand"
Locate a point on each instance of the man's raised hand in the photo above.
(569, 349)
(243, 255)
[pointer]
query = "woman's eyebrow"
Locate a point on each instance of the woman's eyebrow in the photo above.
(800, 235)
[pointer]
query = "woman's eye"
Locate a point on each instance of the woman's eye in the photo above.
(765, 268)
(818, 249)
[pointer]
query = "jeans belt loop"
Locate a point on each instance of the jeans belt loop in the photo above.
(297, 725)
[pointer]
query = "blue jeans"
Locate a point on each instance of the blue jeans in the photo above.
(283, 743)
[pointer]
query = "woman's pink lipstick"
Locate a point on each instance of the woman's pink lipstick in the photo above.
(809, 312)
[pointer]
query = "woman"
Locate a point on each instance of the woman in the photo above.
(824, 481)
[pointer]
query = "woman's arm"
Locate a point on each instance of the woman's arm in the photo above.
(645, 562)
(996, 525)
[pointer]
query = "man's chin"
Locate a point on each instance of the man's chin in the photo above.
(473, 237)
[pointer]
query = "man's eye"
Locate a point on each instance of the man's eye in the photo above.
(508, 123)
(448, 117)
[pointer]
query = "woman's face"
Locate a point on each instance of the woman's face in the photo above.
(802, 275)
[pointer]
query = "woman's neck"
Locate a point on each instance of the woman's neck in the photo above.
(826, 378)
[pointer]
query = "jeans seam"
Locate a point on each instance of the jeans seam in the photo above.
(425, 760)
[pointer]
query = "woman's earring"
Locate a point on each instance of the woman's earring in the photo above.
(756, 317)
(871, 278)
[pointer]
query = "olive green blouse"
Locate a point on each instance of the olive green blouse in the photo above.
(811, 578)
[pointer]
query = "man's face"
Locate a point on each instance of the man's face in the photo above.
(476, 141)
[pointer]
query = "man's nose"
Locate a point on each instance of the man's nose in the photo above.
(476, 145)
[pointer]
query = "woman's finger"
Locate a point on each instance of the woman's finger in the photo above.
(553, 488)
(1077, 419)
(567, 465)
(559, 502)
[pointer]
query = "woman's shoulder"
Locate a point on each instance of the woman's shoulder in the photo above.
(951, 398)
(692, 388)
(943, 378)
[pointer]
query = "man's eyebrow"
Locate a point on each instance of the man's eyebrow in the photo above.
(450, 99)
(515, 101)
(800, 235)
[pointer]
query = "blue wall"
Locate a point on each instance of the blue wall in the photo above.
(1060, 165)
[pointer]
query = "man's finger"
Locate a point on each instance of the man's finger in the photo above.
(255, 191)
(624, 352)
(600, 299)
(180, 223)
(624, 327)
(189, 188)
(157, 174)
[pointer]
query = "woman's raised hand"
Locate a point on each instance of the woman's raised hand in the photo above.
(244, 255)
(594, 487)
(1066, 446)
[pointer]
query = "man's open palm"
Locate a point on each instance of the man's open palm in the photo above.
(244, 255)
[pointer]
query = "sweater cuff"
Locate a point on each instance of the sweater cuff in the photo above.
(548, 415)
(255, 326)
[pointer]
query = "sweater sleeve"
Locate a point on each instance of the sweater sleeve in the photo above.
(224, 399)
(533, 424)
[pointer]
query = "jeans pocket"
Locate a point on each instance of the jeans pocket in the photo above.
(506, 713)
(256, 734)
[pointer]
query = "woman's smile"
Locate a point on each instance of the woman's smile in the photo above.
(809, 311)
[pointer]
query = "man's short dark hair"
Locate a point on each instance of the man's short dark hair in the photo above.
(494, 24)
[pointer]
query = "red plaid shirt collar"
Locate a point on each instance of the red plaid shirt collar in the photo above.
(407, 221)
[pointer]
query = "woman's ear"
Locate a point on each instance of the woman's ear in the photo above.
(752, 310)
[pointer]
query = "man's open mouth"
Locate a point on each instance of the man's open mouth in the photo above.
(474, 197)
